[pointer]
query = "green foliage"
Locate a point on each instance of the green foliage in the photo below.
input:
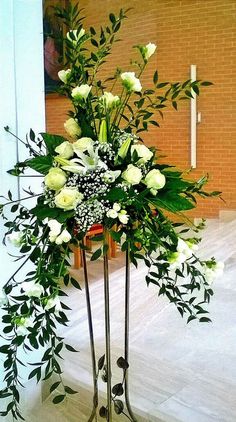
(133, 213)
(40, 164)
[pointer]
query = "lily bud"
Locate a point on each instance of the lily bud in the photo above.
(123, 150)
(61, 160)
(102, 137)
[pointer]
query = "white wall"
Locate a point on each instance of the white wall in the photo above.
(22, 88)
(22, 104)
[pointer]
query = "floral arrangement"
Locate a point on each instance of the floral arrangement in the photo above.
(103, 173)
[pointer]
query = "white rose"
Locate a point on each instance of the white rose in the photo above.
(15, 238)
(54, 302)
(32, 289)
(68, 199)
(112, 213)
(74, 35)
(123, 217)
(130, 82)
(3, 298)
(65, 150)
(55, 179)
(155, 180)
(143, 153)
(116, 207)
(81, 92)
(110, 176)
(83, 144)
(109, 100)
(149, 50)
(132, 175)
(63, 237)
(64, 75)
(72, 128)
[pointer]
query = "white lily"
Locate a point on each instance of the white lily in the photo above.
(91, 160)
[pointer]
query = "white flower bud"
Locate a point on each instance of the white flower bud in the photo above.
(116, 207)
(109, 100)
(112, 214)
(72, 128)
(63, 237)
(32, 289)
(74, 35)
(15, 238)
(54, 302)
(123, 217)
(81, 92)
(130, 82)
(64, 75)
(149, 50)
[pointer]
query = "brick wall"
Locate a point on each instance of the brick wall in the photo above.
(201, 32)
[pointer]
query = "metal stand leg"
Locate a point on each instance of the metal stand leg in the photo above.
(91, 335)
(107, 333)
(127, 307)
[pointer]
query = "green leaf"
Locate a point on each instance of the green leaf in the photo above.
(97, 238)
(59, 399)
(101, 361)
(75, 283)
(195, 89)
(35, 373)
(96, 254)
(42, 212)
(206, 83)
(4, 349)
(112, 18)
(162, 84)
(40, 164)
(70, 348)
(52, 141)
(54, 386)
(32, 135)
(70, 390)
(115, 235)
(205, 319)
(155, 77)
(173, 202)
(116, 194)
(105, 249)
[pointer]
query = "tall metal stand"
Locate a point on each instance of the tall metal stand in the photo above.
(91, 336)
(108, 336)
(127, 310)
